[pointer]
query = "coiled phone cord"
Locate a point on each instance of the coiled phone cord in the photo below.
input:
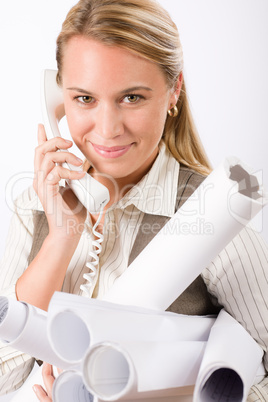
(93, 265)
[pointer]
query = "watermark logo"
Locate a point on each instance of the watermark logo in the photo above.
(243, 201)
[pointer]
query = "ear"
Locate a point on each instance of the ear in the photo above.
(176, 91)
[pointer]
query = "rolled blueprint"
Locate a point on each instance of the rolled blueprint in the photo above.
(132, 370)
(230, 363)
(215, 213)
(24, 327)
(75, 323)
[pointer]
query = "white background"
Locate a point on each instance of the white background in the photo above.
(226, 71)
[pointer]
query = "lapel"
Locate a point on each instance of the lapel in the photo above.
(188, 182)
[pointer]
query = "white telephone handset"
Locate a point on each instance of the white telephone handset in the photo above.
(92, 194)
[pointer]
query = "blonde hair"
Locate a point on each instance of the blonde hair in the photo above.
(144, 27)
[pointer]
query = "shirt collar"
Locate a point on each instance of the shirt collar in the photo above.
(156, 193)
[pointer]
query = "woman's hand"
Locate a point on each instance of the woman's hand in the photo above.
(45, 395)
(64, 212)
(65, 215)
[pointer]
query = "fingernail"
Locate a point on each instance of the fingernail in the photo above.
(68, 142)
(35, 389)
(79, 160)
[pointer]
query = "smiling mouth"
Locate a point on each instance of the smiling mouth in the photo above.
(111, 152)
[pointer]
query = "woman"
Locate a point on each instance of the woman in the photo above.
(120, 66)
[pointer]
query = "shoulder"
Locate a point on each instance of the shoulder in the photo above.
(189, 175)
(27, 201)
(189, 180)
(240, 269)
(21, 227)
(237, 278)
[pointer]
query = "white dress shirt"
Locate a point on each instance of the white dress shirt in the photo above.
(238, 276)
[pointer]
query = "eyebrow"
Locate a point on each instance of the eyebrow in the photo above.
(125, 91)
(137, 88)
(83, 91)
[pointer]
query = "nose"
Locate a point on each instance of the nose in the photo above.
(109, 122)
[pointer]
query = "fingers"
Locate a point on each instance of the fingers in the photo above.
(42, 139)
(59, 370)
(41, 394)
(52, 158)
(41, 136)
(54, 145)
(48, 377)
(58, 173)
(45, 146)
(47, 159)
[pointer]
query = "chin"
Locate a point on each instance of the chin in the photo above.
(110, 170)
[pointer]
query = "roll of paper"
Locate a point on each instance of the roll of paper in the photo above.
(75, 323)
(24, 328)
(230, 364)
(69, 387)
(13, 317)
(134, 370)
(215, 213)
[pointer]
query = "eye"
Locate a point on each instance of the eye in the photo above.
(132, 98)
(86, 99)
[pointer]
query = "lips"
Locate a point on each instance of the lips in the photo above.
(111, 152)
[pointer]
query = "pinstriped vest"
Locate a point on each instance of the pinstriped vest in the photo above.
(195, 300)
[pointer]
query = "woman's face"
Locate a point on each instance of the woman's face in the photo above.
(116, 105)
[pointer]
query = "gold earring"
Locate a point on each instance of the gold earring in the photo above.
(173, 111)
